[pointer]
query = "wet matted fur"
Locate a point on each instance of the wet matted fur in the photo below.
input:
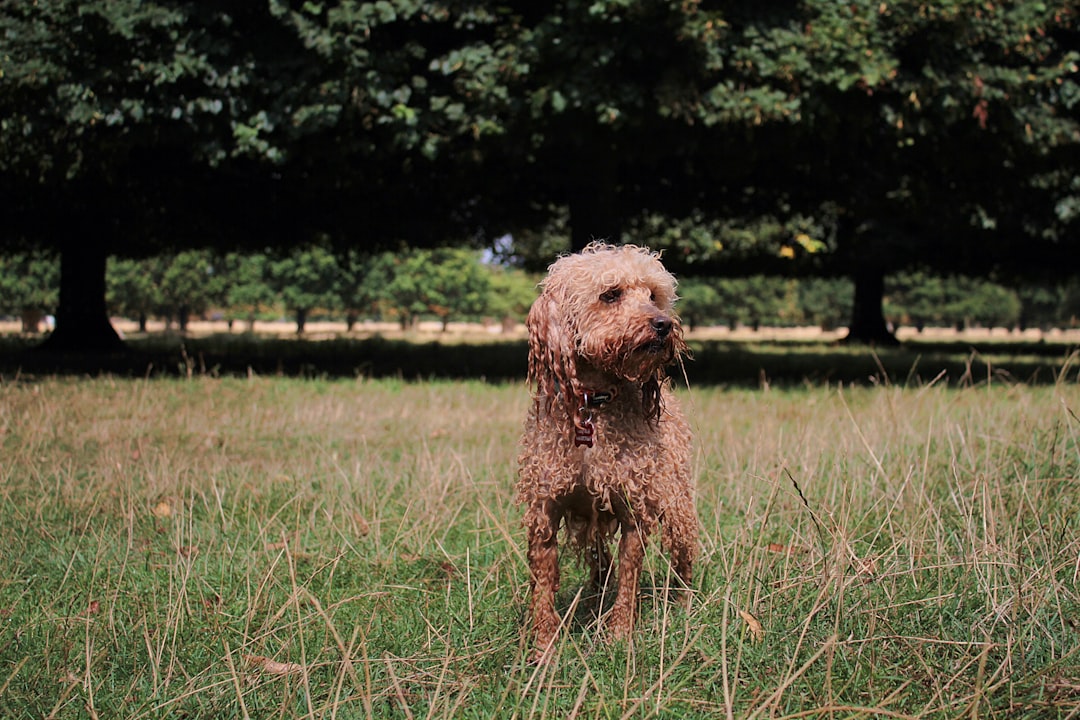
(606, 448)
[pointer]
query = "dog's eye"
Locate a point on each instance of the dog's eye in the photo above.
(611, 295)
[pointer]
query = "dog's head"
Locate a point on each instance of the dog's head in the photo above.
(611, 308)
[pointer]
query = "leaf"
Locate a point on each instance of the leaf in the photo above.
(558, 101)
(162, 510)
(273, 667)
(865, 566)
(362, 525)
(809, 244)
(757, 632)
(781, 548)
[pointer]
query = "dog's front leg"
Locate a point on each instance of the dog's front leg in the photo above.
(680, 536)
(620, 620)
(542, 528)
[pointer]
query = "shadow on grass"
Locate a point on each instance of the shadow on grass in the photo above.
(713, 363)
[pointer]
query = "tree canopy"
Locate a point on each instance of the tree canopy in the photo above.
(805, 136)
(133, 126)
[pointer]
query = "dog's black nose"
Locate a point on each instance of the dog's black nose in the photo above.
(662, 326)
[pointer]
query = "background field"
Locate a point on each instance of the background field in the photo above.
(270, 547)
(743, 357)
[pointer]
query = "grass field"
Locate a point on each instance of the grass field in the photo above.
(279, 548)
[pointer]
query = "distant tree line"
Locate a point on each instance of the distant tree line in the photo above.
(911, 299)
(456, 284)
(402, 286)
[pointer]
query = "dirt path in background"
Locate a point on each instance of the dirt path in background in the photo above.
(433, 330)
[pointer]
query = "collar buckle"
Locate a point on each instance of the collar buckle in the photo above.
(596, 400)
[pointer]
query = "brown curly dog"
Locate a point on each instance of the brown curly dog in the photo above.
(606, 447)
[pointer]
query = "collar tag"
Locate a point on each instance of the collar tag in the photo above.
(584, 427)
(583, 433)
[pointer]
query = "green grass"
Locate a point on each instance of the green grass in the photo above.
(907, 552)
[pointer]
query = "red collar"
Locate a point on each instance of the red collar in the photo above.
(589, 401)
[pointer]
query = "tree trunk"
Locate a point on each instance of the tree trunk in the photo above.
(867, 315)
(301, 320)
(82, 320)
(31, 321)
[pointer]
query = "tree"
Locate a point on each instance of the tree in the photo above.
(1041, 304)
(916, 298)
(280, 121)
(456, 284)
(930, 129)
(594, 116)
(28, 283)
(884, 134)
(699, 303)
(444, 282)
(903, 133)
(825, 302)
(921, 299)
(248, 290)
(511, 294)
(366, 283)
(103, 106)
(983, 303)
(189, 284)
(307, 278)
(133, 288)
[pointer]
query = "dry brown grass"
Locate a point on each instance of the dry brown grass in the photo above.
(280, 548)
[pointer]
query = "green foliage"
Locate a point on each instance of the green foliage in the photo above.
(767, 242)
(307, 278)
(368, 282)
(189, 284)
(454, 283)
(29, 282)
(512, 293)
(1042, 304)
(175, 286)
(825, 302)
(120, 117)
(984, 303)
(249, 292)
(1070, 303)
(133, 288)
(444, 282)
(755, 301)
(699, 304)
(744, 137)
(919, 299)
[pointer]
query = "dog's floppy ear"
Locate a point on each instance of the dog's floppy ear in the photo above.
(552, 362)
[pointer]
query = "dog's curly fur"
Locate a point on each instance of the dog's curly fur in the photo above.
(606, 447)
